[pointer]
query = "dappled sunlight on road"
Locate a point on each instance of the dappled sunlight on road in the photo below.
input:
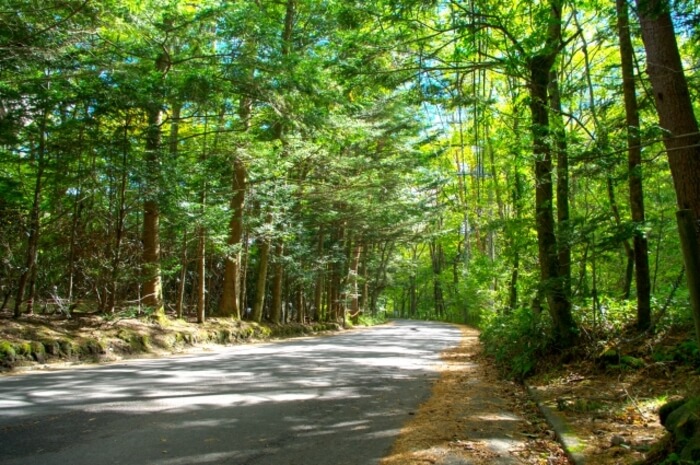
(245, 404)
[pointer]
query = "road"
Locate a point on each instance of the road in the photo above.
(337, 400)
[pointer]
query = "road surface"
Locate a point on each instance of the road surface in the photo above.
(338, 400)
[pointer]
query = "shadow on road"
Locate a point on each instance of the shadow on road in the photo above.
(330, 400)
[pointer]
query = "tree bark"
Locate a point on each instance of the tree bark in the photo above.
(261, 282)
(353, 278)
(34, 229)
(318, 290)
(540, 66)
(152, 284)
(179, 306)
(634, 158)
(563, 214)
(201, 273)
(675, 109)
(437, 258)
(629, 251)
(276, 303)
(229, 304)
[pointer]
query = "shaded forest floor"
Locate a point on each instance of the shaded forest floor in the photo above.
(608, 403)
(610, 399)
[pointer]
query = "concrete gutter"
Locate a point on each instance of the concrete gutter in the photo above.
(571, 444)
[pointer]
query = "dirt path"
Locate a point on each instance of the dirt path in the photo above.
(474, 418)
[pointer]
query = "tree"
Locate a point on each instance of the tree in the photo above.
(681, 134)
(634, 150)
(540, 67)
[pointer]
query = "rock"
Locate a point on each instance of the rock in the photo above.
(618, 440)
(668, 408)
(683, 422)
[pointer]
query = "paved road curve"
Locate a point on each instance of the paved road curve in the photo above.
(337, 400)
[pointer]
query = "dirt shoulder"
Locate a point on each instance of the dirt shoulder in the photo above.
(606, 411)
(475, 418)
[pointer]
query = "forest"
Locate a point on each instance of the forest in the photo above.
(194, 169)
(530, 168)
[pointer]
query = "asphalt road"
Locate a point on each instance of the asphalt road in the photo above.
(337, 400)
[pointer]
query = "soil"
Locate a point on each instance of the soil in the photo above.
(608, 404)
(610, 401)
(473, 417)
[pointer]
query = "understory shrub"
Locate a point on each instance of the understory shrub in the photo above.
(516, 339)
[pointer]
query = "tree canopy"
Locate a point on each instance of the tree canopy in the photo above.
(487, 162)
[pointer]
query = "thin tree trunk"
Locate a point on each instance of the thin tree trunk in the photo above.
(201, 273)
(183, 277)
(34, 230)
(299, 301)
(276, 303)
(119, 229)
(318, 290)
(261, 282)
(629, 252)
(229, 304)
(515, 273)
(554, 287)
(436, 256)
(562, 154)
(243, 278)
(353, 278)
(636, 192)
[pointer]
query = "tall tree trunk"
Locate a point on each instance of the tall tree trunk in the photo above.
(119, 227)
(229, 304)
(201, 273)
(517, 197)
(261, 282)
(33, 230)
(299, 302)
(243, 278)
(276, 303)
(437, 258)
(634, 158)
(676, 114)
(331, 294)
(179, 306)
(231, 296)
(353, 275)
(629, 252)
(152, 280)
(318, 289)
(78, 207)
(561, 150)
(540, 67)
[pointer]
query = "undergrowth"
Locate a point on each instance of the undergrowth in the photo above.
(516, 340)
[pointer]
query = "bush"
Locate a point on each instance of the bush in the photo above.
(7, 350)
(516, 340)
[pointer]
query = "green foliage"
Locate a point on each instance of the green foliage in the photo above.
(685, 352)
(398, 126)
(371, 320)
(517, 340)
(7, 350)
